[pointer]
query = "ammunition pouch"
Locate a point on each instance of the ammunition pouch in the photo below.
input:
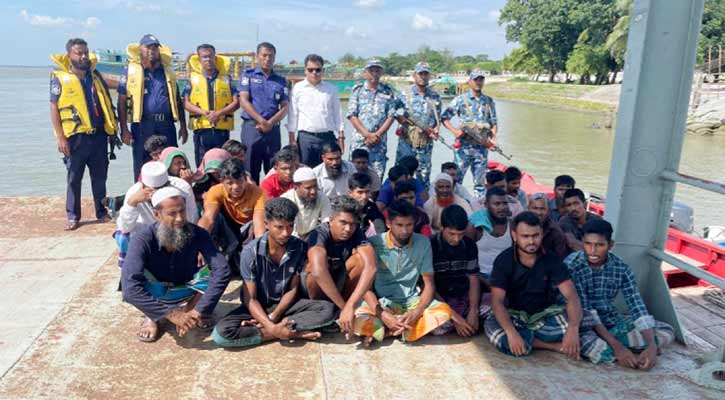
(416, 137)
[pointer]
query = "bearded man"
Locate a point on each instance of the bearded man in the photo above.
(334, 173)
(444, 197)
(161, 276)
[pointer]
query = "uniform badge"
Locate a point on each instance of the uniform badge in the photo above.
(122, 81)
(225, 79)
(245, 80)
(277, 96)
(195, 79)
(286, 91)
(55, 89)
(132, 69)
(256, 80)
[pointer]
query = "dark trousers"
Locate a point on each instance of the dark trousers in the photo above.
(140, 131)
(310, 146)
(307, 315)
(261, 148)
(207, 139)
(91, 151)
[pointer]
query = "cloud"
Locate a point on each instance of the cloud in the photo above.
(154, 8)
(91, 22)
(369, 3)
(354, 33)
(421, 22)
(44, 20)
(493, 15)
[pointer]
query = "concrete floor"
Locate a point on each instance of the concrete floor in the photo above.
(66, 334)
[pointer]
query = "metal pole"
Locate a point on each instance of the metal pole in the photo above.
(659, 64)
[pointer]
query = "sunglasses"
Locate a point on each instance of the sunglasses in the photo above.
(315, 70)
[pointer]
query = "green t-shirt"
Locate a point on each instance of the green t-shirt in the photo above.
(399, 268)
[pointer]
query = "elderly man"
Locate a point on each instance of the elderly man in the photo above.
(371, 109)
(233, 210)
(83, 122)
(341, 265)
(263, 97)
(523, 290)
(280, 181)
(210, 98)
(314, 113)
(477, 111)
(137, 209)
(443, 198)
(553, 239)
(397, 306)
(149, 87)
(314, 206)
(161, 270)
(334, 173)
(419, 124)
(271, 308)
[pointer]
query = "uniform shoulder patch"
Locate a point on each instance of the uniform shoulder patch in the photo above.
(245, 80)
(55, 89)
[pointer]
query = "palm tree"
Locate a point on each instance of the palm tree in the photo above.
(616, 42)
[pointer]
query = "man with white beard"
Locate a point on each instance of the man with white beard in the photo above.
(161, 276)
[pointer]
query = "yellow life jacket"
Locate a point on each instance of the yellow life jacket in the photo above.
(72, 102)
(135, 82)
(199, 95)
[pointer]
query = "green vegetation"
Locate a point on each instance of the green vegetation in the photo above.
(550, 94)
(439, 61)
(584, 37)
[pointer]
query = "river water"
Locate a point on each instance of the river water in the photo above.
(545, 142)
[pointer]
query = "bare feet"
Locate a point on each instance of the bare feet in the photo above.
(366, 340)
(148, 331)
(307, 335)
(71, 225)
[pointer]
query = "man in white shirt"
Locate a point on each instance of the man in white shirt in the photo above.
(137, 207)
(314, 206)
(444, 197)
(333, 174)
(314, 113)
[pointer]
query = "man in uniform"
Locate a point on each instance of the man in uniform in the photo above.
(149, 95)
(422, 107)
(476, 111)
(371, 109)
(211, 99)
(83, 121)
(263, 97)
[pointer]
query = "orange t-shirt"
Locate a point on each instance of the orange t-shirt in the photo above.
(240, 210)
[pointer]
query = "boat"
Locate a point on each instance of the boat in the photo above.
(705, 254)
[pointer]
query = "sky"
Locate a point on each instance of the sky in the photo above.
(36, 28)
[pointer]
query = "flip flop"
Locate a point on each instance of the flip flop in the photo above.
(150, 339)
(206, 323)
(71, 226)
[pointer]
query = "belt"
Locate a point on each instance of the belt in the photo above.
(317, 134)
(157, 117)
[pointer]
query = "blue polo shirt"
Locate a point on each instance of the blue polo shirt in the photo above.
(155, 95)
(89, 91)
(265, 93)
(387, 194)
(210, 80)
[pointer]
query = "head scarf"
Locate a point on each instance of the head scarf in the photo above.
(212, 161)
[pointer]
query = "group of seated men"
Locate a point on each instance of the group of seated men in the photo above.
(316, 254)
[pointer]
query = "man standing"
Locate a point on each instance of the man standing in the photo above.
(341, 264)
(280, 181)
(397, 307)
(271, 308)
(161, 269)
(314, 206)
(553, 239)
(314, 113)
(523, 290)
(371, 109)
(478, 112)
(422, 107)
(83, 121)
(211, 99)
(148, 93)
(263, 97)
(443, 198)
(334, 172)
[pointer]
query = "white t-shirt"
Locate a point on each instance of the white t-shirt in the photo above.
(489, 247)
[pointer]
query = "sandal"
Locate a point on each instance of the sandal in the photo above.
(71, 226)
(206, 323)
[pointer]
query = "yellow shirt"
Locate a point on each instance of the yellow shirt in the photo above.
(242, 209)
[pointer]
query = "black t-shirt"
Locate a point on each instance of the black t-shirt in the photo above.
(371, 213)
(453, 265)
(337, 252)
(568, 225)
(528, 289)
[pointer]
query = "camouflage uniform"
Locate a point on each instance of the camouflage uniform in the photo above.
(419, 108)
(471, 109)
(372, 108)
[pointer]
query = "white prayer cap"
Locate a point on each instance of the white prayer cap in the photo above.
(153, 174)
(163, 194)
(444, 177)
(303, 174)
